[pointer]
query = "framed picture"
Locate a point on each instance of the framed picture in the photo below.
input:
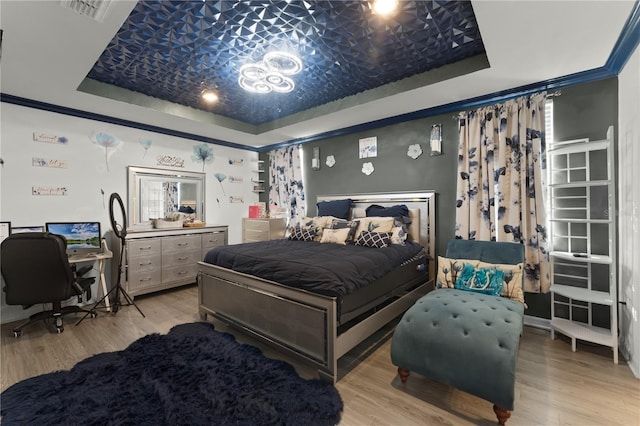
(5, 230)
(368, 147)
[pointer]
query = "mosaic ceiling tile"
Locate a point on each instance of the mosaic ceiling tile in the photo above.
(172, 50)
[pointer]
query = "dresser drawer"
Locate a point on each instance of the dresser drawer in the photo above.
(143, 279)
(255, 235)
(145, 263)
(186, 273)
(256, 225)
(186, 257)
(213, 239)
(181, 243)
(144, 247)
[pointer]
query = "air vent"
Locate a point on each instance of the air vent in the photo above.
(94, 9)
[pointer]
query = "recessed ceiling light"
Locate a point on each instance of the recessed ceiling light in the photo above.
(384, 7)
(209, 96)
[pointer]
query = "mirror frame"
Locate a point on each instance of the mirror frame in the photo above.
(135, 174)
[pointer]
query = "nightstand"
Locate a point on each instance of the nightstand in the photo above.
(262, 229)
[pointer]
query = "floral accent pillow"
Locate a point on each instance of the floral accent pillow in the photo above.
(351, 225)
(487, 281)
(398, 235)
(336, 236)
(512, 287)
(374, 239)
(374, 224)
(449, 269)
(318, 223)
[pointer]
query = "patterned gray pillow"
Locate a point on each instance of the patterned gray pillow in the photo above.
(302, 234)
(373, 239)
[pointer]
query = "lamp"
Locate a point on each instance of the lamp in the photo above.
(271, 73)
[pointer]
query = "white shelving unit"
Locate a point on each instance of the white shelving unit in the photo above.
(583, 241)
(258, 183)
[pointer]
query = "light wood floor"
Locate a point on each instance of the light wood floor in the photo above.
(554, 386)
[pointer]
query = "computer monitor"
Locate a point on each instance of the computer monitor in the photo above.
(82, 237)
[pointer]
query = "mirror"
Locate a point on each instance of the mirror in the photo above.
(164, 194)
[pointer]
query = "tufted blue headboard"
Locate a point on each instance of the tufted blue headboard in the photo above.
(486, 251)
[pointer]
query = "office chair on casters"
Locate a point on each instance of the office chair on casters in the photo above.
(36, 269)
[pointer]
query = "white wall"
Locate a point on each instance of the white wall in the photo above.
(629, 210)
(87, 176)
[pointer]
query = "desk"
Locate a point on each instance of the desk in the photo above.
(100, 258)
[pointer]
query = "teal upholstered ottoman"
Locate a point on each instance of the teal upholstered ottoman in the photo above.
(464, 339)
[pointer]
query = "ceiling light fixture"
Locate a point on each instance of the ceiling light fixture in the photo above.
(270, 74)
(384, 7)
(209, 96)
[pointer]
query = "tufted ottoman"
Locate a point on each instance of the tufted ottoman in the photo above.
(463, 339)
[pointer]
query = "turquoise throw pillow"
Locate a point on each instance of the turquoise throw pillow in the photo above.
(481, 280)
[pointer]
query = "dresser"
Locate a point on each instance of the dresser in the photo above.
(159, 259)
(262, 229)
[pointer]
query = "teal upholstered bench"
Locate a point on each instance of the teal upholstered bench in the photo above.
(463, 339)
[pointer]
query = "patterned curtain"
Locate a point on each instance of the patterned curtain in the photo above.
(286, 190)
(501, 181)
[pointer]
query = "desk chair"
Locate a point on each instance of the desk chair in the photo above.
(36, 269)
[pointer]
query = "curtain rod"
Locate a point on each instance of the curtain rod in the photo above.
(548, 96)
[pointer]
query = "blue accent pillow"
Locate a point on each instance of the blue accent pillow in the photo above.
(398, 210)
(480, 280)
(336, 208)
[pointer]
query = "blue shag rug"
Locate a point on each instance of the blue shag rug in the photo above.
(191, 376)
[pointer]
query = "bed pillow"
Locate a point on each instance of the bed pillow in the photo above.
(398, 235)
(393, 211)
(351, 225)
(487, 281)
(335, 208)
(374, 224)
(318, 223)
(512, 287)
(373, 239)
(302, 234)
(336, 236)
(449, 269)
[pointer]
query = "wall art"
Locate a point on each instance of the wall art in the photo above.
(220, 177)
(331, 160)
(236, 199)
(236, 161)
(236, 179)
(48, 190)
(414, 151)
(106, 141)
(435, 139)
(51, 163)
(43, 137)
(202, 153)
(368, 147)
(367, 168)
(146, 144)
(168, 160)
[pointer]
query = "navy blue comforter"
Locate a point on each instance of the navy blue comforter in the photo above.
(329, 269)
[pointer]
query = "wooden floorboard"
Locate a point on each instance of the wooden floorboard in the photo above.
(554, 386)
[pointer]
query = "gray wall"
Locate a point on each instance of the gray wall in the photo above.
(394, 170)
(581, 111)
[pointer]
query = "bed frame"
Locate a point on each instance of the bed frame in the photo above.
(306, 324)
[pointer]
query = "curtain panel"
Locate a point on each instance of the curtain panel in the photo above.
(502, 179)
(286, 191)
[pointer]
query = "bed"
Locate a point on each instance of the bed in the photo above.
(320, 321)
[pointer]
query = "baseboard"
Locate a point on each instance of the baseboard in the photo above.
(537, 322)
